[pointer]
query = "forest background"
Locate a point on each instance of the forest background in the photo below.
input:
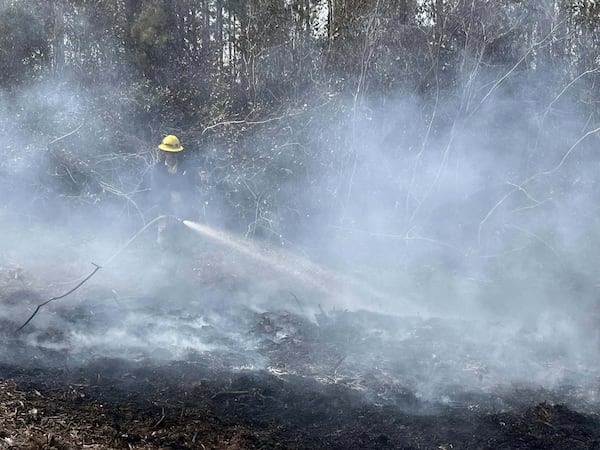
(413, 134)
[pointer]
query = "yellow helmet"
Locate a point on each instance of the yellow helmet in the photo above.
(170, 144)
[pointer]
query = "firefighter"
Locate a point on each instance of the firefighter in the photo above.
(171, 189)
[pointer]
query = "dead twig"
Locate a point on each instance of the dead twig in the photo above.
(128, 197)
(59, 297)
(161, 420)
(568, 153)
(250, 122)
(338, 364)
(246, 121)
(297, 301)
(64, 136)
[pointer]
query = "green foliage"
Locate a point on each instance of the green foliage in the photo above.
(151, 35)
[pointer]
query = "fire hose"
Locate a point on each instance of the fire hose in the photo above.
(97, 267)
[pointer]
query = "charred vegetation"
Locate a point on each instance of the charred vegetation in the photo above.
(389, 237)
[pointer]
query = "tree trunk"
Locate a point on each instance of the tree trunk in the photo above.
(205, 29)
(330, 18)
(58, 38)
(438, 30)
(219, 33)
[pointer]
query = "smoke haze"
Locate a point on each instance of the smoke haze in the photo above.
(468, 242)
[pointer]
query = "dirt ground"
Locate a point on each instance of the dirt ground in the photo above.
(98, 371)
(112, 404)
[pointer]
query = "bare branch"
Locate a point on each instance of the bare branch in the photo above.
(491, 211)
(566, 155)
(401, 237)
(560, 94)
(524, 191)
(250, 122)
(59, 297)
(65, 136)
(535, 236)
(520, 186)
(517, 64)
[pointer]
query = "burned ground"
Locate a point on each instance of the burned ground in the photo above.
(198, 367)
(112, 404)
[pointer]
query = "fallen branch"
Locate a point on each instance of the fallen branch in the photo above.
(161, 420)
(64, 136)
(338, 364)
(260, 122)
(297, 301)
(59, 297)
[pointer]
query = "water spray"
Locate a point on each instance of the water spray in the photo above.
(328, 282)
(308, 273)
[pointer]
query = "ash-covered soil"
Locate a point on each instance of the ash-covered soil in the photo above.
(196, 366)
(118, 404)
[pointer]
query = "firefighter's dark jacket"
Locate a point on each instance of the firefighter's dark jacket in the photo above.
(172, 193)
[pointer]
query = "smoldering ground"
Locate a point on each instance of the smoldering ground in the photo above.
(463, 260)
(442, 252)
